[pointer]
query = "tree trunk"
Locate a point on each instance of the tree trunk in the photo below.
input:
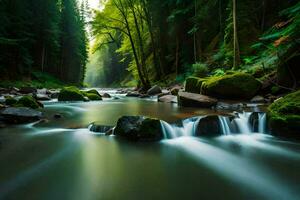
(177, 56)
(195, 39)
(236, 53)
(141, 45)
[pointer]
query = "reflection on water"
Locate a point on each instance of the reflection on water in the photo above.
(40, 162)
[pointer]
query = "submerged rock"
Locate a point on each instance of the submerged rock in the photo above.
(187, 99)
(70, 94)
(20, 115)
(231, 86)
(139, 128)
(284, 116)
(209, 127)
(154, 90)
(99, 128)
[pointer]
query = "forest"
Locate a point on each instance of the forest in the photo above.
(149, 99)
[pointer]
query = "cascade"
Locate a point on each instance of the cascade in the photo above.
(188, 127)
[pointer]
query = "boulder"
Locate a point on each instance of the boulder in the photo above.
(209, 127)
(28, 90)
(193, 85)
(154, 90)
(284, 116)
(42, 97)
(93, 97)
(106, 95)
(29, 102)
(70, 94)
(231, 86)
(10, 101)
(258, 99)
(187, 99)
(144, 96)
(174, 91)
(133, 94)
(168, 99)
(20, 115)
(139, 128)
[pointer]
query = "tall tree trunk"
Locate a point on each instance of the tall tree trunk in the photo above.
(141, 45)
(177, 56)
(121, 8)
(43, 58)
(263, 15)
(236, 51)
(195, 39)
(159, 71)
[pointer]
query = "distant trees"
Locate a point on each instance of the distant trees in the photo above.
(43, 35)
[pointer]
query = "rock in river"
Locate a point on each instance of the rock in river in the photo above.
(20, 115)
(168, 99)
(154, 90)
(139, 128)
(187, 99)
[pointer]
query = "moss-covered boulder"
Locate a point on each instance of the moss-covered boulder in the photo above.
(193, 85)
(139, 128)
(10, 101)
(231, 86)
(284, 116)
(28, 102)
(92, 95)
(70, 94)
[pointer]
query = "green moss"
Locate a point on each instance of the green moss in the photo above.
(231, 86)
(284, 115)
(70, 94)
(10, 101)
(93, 97)
(193, 84)
(28, 101)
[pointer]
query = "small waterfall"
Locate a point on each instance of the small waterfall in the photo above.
(262, 122)
(187, 128)
(224, 122)
(223, 125)
(242, 122)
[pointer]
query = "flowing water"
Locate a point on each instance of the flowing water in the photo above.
(62, 159)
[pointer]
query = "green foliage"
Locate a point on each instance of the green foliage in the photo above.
(200, 70)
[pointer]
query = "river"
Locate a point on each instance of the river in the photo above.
(62, 159)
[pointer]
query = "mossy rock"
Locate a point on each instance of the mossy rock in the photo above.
(231, 86)
(10, 101)
(193, 84)
(93, 95)
(139, 128)
(284, 116)
(28, 102)
(70, 94)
